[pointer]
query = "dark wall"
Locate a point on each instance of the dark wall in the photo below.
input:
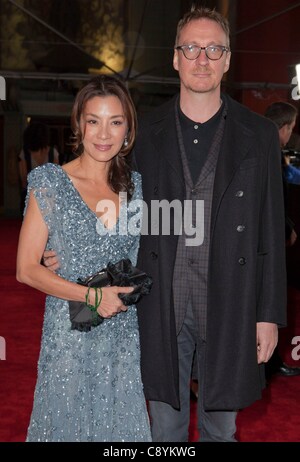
(266, 50)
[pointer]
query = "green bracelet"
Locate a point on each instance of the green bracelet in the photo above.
(100, 288)
(91, 307)
(87, 297)
(97, 301)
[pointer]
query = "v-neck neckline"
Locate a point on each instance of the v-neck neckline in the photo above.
(79, 196)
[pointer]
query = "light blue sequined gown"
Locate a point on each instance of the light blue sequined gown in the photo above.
(89, 383)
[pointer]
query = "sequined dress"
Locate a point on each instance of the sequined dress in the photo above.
(89, 383)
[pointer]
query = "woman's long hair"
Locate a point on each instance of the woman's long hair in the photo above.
(119, 175)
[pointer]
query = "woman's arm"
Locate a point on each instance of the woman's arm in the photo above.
(32, 242)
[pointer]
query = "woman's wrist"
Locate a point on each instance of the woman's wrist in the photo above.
(93, 298)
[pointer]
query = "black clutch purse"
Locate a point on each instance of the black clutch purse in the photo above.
(121, 274)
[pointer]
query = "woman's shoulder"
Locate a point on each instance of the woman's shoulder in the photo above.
(44, 175)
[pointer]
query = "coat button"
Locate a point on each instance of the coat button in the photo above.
(153, 255)
(242, 261)
(240, 228)
(239, 193)
(155, 190)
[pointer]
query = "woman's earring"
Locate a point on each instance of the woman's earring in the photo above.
(125, 144)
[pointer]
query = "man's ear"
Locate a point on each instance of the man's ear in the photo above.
(227, 62)
(175, 60)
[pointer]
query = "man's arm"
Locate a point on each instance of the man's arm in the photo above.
(292, 174)
(272, 296)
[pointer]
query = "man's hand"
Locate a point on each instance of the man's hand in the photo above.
(266, 340)
(50, 260)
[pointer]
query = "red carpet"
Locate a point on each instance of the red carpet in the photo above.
(276, 418)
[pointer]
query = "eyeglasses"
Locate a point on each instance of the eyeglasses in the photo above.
(213, 52)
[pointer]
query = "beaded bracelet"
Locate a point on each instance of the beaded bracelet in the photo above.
(97, 301)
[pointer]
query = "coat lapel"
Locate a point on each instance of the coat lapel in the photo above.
(164, 138)
(237, 141)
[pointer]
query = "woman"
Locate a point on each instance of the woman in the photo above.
(89, 386)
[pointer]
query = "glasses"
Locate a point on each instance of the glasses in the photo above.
(213, 52)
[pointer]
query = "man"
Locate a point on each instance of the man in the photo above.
(284, 115)
(225, 297)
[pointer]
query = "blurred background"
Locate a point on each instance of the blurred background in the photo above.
(49, 49)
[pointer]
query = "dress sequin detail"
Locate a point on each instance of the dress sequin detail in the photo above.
(89, 384)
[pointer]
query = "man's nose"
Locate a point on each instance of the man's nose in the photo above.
(202, 58)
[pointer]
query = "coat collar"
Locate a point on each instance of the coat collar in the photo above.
(238, 138)
(164, 137)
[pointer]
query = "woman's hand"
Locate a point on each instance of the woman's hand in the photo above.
(111, 304)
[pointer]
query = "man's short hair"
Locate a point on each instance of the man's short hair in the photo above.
(203, 13)
(281, 113)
